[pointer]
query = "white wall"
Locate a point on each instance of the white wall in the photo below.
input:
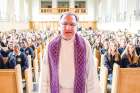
(7, 26)
(18, 15)
(130, 23)
(22, 11)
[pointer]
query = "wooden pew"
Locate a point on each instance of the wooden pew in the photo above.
(40, 53)
(36, 69)
(29, 77)
(37, 62)
(40, 59)
(30, 62)
(102, 60)
(36, 65)
(103, 79)
(103, 76)
(125, 80)
(97, 57)
(11, 80)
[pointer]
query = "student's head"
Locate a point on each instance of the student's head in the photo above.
(10, 45)
(16, 48)
(24, 43)
(106, 44)
(68, 25)
(122, 43)
(130, 47)
(113, 46)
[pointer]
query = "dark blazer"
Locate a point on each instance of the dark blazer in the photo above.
(109, 62)
(125, 63)
(11, 63)
(20, 59)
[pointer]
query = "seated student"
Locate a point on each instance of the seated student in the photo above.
(129, 57)
(104, 49)
(2, 65)
(97, 54)
(10, 46)
(20, 58)
(122, 45)
(138, 46)
(3, 42)
(30, 43)
(111, 57)
(25, 48)
(138, 49)
(5, 61)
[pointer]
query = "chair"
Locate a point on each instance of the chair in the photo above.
(125, 80)
(11, 80)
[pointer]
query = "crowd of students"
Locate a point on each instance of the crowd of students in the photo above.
(118, 47)
(16, 46)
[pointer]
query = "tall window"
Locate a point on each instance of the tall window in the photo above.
(46, 4)
(80, 4)
(3, 10)
(63, 4)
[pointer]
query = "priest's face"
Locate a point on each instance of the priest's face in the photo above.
(68, 24)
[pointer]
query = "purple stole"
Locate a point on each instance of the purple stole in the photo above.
(79, 64)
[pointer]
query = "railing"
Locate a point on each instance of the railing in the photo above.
(54, 25)
(61, 10)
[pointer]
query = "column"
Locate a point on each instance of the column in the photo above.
(19, 10)
(54, 6)
(3, 9)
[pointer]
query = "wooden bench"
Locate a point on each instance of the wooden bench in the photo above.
(97, 57)
(11, 80)
(125, 80)
(29, 77)
(103, 75)
(103, 79)
(36, 69)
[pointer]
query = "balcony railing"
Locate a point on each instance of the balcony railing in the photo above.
(61, 10)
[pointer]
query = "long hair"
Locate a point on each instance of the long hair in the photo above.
(117, 55)
(132, 59)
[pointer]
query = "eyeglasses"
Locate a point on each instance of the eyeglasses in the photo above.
(71, 24)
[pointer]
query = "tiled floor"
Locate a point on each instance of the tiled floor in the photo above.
(35, 87)
(109, 88)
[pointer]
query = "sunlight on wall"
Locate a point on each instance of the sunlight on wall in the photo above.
(134, 27)
(3, 9)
